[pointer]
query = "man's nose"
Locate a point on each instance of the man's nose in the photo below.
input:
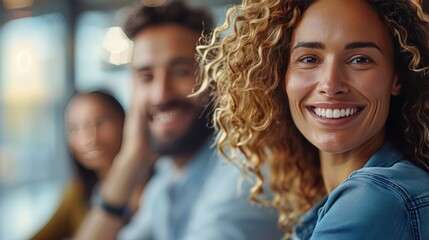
(161, 91)
(332, 80)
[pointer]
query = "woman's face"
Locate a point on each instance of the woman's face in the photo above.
(340, 75)
(94, 131)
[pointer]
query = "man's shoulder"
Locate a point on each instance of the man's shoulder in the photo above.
(225, 172)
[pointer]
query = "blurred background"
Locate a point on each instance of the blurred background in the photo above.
(49, 49)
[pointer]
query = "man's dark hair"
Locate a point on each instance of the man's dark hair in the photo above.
(174, 12)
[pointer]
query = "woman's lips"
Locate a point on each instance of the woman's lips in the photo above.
(93, 153)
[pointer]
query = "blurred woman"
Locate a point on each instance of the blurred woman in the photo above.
(334, 96)
(94, 124)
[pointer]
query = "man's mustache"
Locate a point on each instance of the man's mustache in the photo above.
(181, 104)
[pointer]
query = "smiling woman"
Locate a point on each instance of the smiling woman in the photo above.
(333, 70)
(337, 109)
(94, 124)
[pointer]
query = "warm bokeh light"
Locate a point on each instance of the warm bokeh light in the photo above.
(14, 4)
(153, 3)
(24, 76)
(118, 46)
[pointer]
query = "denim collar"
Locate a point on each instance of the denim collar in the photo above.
(385, 156)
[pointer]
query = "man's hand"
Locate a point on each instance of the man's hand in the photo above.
(135, 160)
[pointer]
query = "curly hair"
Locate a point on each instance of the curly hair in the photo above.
(244, 63)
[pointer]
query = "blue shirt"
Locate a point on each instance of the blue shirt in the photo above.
(200, 203)
(386, 199)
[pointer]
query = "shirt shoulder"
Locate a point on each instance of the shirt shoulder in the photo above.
(223, 209)
(378, 203)
(402, 178)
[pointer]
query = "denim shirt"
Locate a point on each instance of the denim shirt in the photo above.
(386, 199)
(200, 203)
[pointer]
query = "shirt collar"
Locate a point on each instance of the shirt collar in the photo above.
(385, 156)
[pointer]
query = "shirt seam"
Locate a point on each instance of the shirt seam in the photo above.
(410, 204)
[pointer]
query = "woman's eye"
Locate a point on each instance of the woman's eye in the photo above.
(101, 121)
(360, 60)
(308, 59)
(73, 130)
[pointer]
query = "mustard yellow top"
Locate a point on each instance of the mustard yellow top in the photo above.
(69, 215)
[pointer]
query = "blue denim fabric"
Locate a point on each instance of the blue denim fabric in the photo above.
(386, 199)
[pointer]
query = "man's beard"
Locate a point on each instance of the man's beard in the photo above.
(189, 142)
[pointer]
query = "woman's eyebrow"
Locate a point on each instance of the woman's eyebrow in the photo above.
(316, 45)
(355, 45)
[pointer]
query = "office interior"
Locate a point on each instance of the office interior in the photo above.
(48, 50)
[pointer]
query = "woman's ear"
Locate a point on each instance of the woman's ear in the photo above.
(396, 86)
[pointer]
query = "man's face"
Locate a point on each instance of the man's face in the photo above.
(164, 75)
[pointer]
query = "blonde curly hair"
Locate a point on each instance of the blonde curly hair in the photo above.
(244, 64)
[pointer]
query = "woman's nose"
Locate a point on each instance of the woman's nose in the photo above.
(332, 81)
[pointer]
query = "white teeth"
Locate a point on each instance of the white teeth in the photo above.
(329, 113)
(335, 113)
(163, 117)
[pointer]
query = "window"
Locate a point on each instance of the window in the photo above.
(33, 156)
